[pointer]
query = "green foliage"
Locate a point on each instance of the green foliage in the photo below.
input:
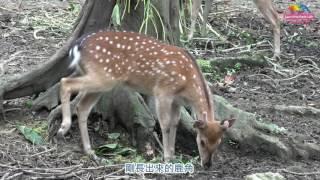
(313, 44)
(118, 152)
(150, 15)
(215, 74)
(113, 136)
(210, 73)
(28, 104)
(247, 37)
(31, 135)
(139, 159)
(116, 15)
(237, 66)
(41, 127)
(204, 65)
(232, 70)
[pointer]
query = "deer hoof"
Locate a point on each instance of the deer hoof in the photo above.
(276, 57)
(60, 136)
(95, 158)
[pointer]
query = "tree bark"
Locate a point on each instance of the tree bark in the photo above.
(169, 13)
(94, 15)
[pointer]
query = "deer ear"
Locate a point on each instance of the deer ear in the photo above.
(227, 123)
(200, 124)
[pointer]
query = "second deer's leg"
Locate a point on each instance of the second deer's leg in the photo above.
(268, 10)
(163, 108)
(84, 107)
(194, 14)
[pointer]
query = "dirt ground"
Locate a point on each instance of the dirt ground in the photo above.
(31, 33)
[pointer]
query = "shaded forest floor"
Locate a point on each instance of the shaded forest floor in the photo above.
(31, 33)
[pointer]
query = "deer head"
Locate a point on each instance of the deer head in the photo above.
(209, 134)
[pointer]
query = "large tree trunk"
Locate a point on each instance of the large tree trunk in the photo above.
(94, 15)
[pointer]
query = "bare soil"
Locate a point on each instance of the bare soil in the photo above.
(255, 90)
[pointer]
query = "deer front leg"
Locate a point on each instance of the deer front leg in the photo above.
(163, 108)
(84, 107)
(175, 117)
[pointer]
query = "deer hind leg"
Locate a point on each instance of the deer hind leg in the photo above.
(86, 103)
(271, 15)
(69, 86)
(163, 109)
(175, 118)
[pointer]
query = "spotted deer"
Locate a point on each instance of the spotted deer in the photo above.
(167, 72)
(266, 7)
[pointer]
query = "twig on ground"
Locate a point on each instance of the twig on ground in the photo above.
(5, 175)
(269, 78)
(294, 77)
(242, 47)
(39, 153)
(103, 167)
(298, 109)
(61, 176)
(254, 91)
(157, 139)
(302, 173)
(111, 174)
(14, 176)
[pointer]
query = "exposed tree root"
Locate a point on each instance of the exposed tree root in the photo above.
(300, 173)
(302, 110)
(49, 99)
(255, 60)
(254, 134)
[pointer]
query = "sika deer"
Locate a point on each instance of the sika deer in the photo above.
(266, 7)
(167, 72)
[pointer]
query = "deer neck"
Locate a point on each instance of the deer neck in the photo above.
(201, 102)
